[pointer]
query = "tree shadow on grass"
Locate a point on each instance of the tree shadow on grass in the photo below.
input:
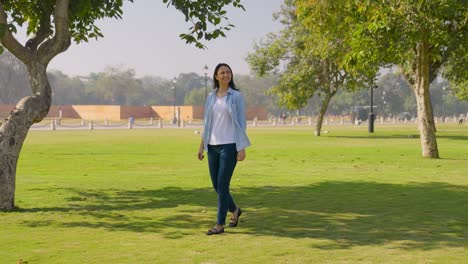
(376, 136)
(347, 214)
(454, 137)
(397, 136)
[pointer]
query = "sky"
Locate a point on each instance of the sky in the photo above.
(147, 41)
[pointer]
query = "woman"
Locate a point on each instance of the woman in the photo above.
(225, 139)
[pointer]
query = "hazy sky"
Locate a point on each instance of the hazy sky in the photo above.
(147, 40)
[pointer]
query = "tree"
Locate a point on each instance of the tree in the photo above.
(185, 83)
(118, 86)
(420, 36)
(157, 90)
(397, 94)
(446, 102)
(256, 89)
(66, 90)
(195, 97)
(13, 79)
(460, 90)
(54, 24)
(312, 63)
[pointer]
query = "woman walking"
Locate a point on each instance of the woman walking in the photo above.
(225, 139)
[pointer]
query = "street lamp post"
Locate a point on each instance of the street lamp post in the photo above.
(174, 120)
(443, 105)
(354, 110)
(384, 103)
(371, 113)
(205, 71)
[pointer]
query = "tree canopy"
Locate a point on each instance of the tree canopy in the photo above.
(422, 37)
(208, 18)
(308, 62)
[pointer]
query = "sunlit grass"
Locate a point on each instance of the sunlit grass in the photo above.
(141, 196)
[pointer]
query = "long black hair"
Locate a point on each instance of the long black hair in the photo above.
(216, 82)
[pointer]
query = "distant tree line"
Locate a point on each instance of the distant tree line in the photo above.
(331, 46)
(120, 86)
(392, 97)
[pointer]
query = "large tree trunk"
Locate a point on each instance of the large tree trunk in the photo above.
(427, 129)
(36, 55)
(14, 130)
(323, 110)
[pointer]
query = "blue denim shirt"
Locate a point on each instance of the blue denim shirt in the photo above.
(236, 109)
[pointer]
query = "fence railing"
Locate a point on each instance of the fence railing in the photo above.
(131, 123)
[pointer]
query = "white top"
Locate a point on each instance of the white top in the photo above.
(222, 129)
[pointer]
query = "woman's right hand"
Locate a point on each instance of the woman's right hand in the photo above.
(200, 154)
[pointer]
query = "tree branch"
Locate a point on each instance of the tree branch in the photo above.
(435, 65)
(9, 42)
(62, 38)
(43, 33)
(342, 77)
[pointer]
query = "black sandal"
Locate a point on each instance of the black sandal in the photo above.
(233, 222)
(214, 231)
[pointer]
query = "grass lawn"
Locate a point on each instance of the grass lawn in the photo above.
(141, 196)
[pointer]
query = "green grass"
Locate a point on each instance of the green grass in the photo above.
(141, 196)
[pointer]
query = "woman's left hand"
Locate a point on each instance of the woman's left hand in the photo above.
(241, 155)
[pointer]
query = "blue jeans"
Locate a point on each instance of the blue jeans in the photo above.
(222, 160)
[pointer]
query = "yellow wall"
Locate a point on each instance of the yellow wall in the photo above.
(117, 112)
(98, 112)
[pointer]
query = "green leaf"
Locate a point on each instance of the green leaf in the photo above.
(203, 15)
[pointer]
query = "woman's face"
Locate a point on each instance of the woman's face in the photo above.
(223, 76)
